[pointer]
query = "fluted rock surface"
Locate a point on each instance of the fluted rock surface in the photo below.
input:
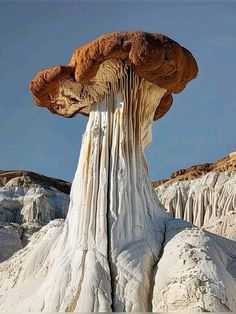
(204, 196)
(196, 270)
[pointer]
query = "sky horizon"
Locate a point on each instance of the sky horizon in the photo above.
(200, 125)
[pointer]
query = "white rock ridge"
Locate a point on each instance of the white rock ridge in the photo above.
(26, 197)
(196, 272)
(208, 201)
(27, 202)
(10, 240)
(118, 250)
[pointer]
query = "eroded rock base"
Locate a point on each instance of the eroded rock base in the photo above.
(105, 257)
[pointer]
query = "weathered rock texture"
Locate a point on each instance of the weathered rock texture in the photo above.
(10, 240)
(186, 288)
(227, 163)
(204, 195)
(196, 273)
(27, 197)
(27, 202)
(97, 264)
(208, 201)
(107, 256)
(67, 90)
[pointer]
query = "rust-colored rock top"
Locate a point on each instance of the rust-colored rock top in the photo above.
(29, 178)
(227, 163)
(152, 56)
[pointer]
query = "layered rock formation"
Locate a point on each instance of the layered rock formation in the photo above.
(27, 197)
(117, 239)
(28, 201)
(185, 246)
(225, 164)
(114, 230)
(204, 195)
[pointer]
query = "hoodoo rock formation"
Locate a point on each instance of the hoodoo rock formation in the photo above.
(106, 256)
(28, 201)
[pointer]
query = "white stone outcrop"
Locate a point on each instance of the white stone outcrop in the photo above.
(208, 201)
(30, 204)
(28, 201)
(10, 240)
(118, 250)
(196, 272)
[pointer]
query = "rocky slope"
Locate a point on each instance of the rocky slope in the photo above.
(27, 202)
(226, 164)
(204, 195)
(196, 270)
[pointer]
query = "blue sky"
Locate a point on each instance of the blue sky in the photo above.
(200, 127)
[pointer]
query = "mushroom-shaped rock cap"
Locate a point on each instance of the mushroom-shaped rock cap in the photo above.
(95, 67)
